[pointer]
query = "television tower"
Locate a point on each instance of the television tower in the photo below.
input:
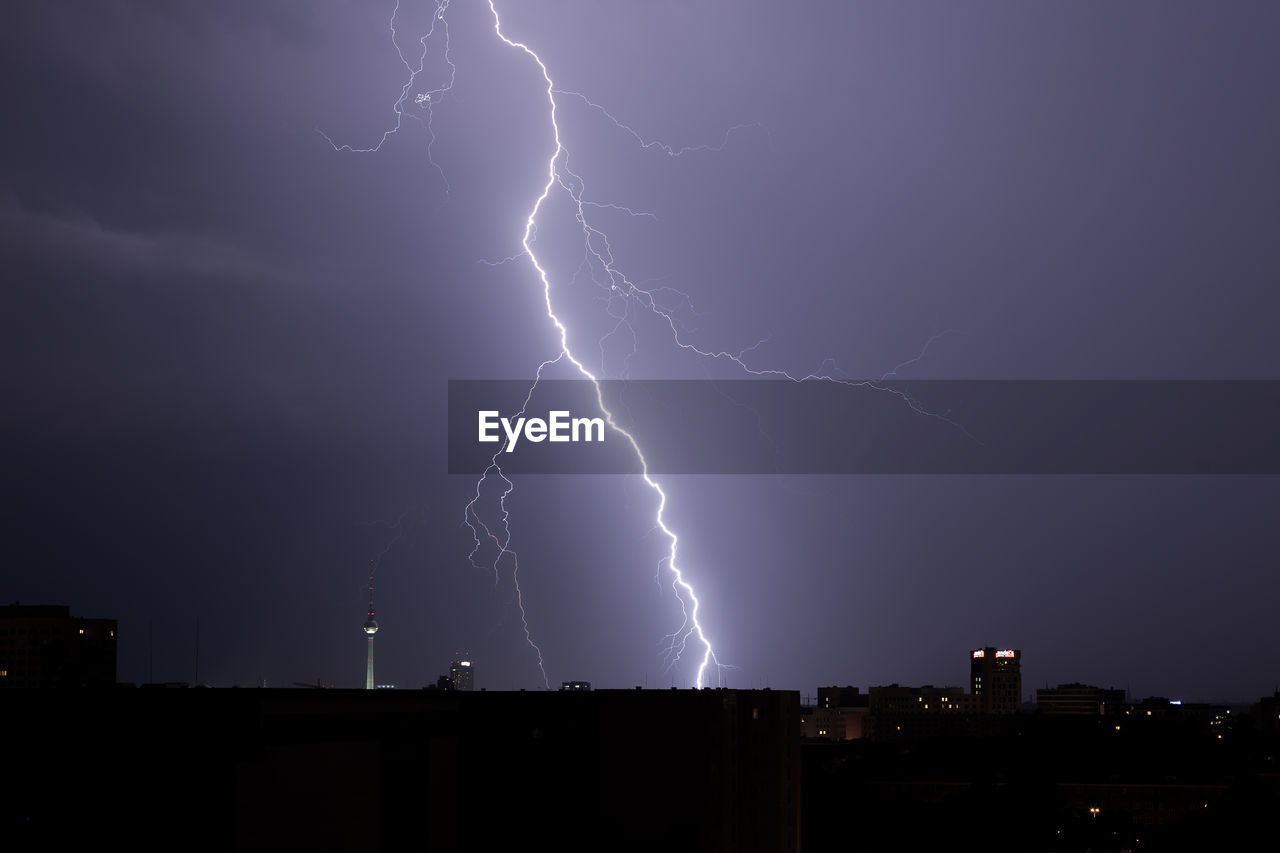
(370, 628)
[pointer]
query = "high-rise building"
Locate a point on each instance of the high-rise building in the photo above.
(995, 680)
(462, 674)
(45, 646)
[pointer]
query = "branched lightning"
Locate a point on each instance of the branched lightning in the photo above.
(471, 518)
(505, 549)
(427, 99)
(623, 300)
(559, 174)
(398, 526)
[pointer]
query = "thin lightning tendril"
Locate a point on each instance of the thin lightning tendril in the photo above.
(427, 99)
(515, 577)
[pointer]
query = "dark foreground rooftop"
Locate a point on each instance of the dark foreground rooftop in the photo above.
(371, 770)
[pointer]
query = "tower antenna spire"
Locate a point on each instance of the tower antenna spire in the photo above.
(370, 628)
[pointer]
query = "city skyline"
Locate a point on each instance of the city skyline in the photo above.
(1002, 693)
(228, 338)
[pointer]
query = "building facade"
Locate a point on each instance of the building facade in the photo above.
(463, 675)
(839, 713)
(995, 680)
(1080, 700)
(45, 646)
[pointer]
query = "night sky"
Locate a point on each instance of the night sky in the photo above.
(226, 345)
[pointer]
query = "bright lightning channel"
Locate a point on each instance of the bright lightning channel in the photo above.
(598, 255)
(692, 626)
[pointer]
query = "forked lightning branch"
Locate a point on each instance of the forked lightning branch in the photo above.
(558, 426)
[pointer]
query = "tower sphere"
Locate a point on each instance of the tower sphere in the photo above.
(370, 626)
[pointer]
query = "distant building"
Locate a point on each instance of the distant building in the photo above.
(995, 680)
(1175, 716)
(576, 686)
(839, 714)
(1267, 713)
(1080, 699)
(463, 675)
(897, 712)
(841, 697)
(45, 646)
(916, 700)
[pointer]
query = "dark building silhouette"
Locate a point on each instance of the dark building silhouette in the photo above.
(1172, 715)
(1044, 785)
(1080, 699)
(1267, 713)
(916, 701)
(899, 713)
(991, 706)
(841, 697)
(257, 769)
(839, 714)
(45, 646)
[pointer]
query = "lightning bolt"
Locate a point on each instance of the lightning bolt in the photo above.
(623, 299)
(559, 174)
